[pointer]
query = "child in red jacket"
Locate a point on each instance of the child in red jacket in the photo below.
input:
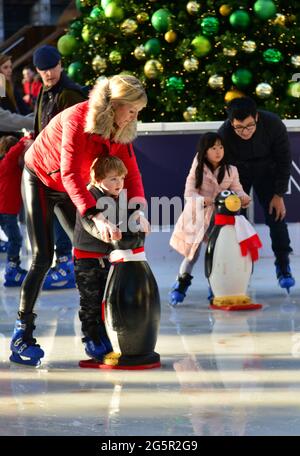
(11, 164)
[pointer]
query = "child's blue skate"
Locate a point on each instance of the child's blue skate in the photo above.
(284, 276)
(24, 348)
(179, 289)
(97, 351)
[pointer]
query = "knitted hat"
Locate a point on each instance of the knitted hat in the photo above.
(46, 57)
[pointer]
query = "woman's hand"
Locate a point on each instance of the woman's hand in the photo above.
(245, 200)
(144, 224)
(140, 222)
(108, 231)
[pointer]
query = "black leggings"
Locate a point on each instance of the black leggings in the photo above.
(40, 204)
(91, 275)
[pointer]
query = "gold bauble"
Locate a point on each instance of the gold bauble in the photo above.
(153, 68)
(190, 114)
(142, 17)
(279, 19)
(295, 60)
(128, 27)
(216, 82)
(191, 64)
(139, 52)
(249, 46)
(99, 64)
(232, 94)
(263, 90)
(230, 52)
(225, 10)
(170, 36)
(193, 7)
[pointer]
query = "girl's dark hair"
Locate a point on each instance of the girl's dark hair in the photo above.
(207, 141)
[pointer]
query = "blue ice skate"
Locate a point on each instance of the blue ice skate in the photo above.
(24, 348)
(179, 289)
(14, 275)
(61, 276)
(97, 351)
(284, 276)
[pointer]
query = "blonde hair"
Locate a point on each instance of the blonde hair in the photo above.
(6, 142)
(100, 117)
(105, 164)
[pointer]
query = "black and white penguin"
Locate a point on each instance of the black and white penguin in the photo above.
(231, 249)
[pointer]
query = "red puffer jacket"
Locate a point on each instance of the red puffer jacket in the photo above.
(10, 179)
(62, 154)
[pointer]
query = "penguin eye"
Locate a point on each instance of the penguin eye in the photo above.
(226, 193)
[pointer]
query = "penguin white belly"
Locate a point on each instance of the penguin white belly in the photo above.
(231, 271)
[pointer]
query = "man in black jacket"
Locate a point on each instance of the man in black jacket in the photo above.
(257, 143)
(58, 93)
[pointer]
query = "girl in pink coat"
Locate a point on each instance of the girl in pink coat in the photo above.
(208, 176)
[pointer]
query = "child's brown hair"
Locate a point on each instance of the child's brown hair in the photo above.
(6, 142)
(106, 164)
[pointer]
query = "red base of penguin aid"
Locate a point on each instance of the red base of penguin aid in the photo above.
(92, 364)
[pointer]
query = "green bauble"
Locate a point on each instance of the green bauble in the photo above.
(114, 11)
(272, 55)
(294, 89)
(264, 9)
(75, 71)
(86, 33)
(67, 44)
(153, 69)
(239, 19)
(115, 57)
(161, 20)
(242, 78)
(152, 47)
(96, 13)
(75, 28)
(201, 46)
(210, 26)
(175, 83)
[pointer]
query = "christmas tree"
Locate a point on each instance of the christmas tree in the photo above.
(193, 57)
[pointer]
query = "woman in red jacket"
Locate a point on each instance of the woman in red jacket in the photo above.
(57, 170)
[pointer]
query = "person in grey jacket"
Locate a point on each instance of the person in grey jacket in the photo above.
(257, 144)
(10, 121)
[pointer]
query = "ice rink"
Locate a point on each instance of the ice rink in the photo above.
(223, 373)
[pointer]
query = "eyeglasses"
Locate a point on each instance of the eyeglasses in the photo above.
(241, 129)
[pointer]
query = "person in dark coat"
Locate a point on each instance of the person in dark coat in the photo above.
(57, 93)
(258, 145)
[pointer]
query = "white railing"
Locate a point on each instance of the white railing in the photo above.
(172, 128)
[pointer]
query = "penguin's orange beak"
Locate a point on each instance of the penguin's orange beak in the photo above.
(233, 203)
